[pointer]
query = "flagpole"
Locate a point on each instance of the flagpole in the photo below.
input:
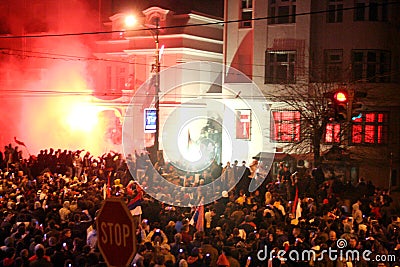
(28, 151)
(22, 144)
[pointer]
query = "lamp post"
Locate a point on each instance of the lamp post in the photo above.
(157, 87)
(129, 22)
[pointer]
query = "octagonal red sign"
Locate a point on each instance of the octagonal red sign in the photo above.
(116, 233)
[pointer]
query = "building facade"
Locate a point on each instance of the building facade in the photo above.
(293, 47)
(137, 58)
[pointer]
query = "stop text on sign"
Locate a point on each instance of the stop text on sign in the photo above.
(115, 233)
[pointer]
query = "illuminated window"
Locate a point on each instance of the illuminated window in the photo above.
(370, 128)
(282, 11)
(286, 126)
(279, 67)
(246, 14)
(332, 133)
(371, 65)
(335, 13)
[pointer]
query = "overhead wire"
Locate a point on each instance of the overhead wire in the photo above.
(72, 57)
(193, 25)
(54, 56)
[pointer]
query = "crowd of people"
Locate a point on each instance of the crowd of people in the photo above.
(49, 205)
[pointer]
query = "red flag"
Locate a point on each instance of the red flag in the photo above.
(296, 199)
(108, 185)
(19, 142)
(200, 219)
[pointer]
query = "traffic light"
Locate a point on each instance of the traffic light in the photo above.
(356, 106)
(340, 101)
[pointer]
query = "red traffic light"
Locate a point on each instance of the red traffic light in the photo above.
(340, 97)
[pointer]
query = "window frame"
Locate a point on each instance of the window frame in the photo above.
(371, 10)
(274, 11)
(380, 128)
(334, 134)
(273, 66)
(293, 123)
(363, 66)
(246, 7)
(336, 14)
(333, 68)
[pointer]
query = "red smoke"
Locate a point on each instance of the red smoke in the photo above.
(45, 84)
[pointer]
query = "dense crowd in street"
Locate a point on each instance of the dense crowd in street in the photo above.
(49, 205)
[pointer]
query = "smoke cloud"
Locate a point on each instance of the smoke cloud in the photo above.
(46, 88)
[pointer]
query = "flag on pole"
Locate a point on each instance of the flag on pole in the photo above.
(298, 210)
(197, 219)
(19, 142)
(108, 185)
(137, 200)
(296, 199)
(105, 191)
(200, 219)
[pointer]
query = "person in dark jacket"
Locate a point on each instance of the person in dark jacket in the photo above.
(40, 261)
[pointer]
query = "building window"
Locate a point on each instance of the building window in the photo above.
(246, 14)
(4, 21)
(36, 22)
(286, 126)
(335, 14)
(371, 65)
(108, 77)
(333, 65)
(279, 67)
(371, 10)
(332, 133)
(282, 11)
(370, 129)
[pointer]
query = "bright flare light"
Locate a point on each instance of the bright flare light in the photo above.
(83, 118)
(188, 148)
(130, 21)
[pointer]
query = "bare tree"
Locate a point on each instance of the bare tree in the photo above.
(309, 99)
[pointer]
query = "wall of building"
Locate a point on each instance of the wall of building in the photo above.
(310, 36)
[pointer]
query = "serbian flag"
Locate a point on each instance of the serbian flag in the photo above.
(19, 142)
(198, 218)
(296, 208)
(137, 200)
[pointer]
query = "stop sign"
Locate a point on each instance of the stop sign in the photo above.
(116, 233)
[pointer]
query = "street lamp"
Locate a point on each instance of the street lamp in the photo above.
(129, 22)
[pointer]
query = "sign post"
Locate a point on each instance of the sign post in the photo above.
(116, 233)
